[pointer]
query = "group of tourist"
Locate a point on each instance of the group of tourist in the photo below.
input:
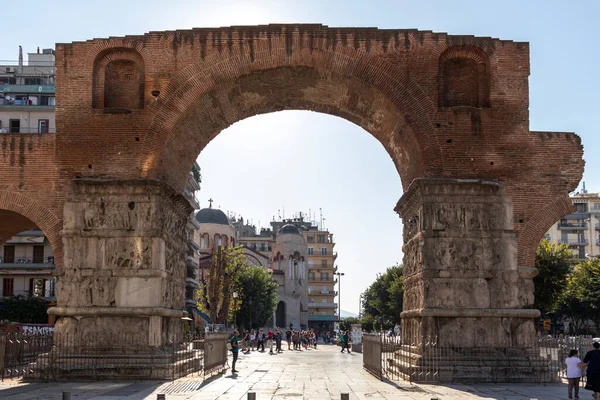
(252, 340)
(574, 366)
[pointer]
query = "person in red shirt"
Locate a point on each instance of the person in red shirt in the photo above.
(270, 341)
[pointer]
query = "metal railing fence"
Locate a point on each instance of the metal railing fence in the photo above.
(48, 357)
(425, 360)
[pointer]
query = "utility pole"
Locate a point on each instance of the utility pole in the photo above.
(339, 275)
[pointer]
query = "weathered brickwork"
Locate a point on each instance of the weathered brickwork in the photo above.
(443, 106)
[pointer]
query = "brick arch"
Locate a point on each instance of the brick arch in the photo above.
(123, 58)
(472, 89)
(40, 217)
(538, 224)
(409, 137)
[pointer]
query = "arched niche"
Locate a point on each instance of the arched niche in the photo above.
(118, 80)
(463, 78)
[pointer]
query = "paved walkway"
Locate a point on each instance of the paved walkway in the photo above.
(324, 373)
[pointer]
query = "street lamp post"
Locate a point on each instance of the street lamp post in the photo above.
(339, 275)
(235, 295)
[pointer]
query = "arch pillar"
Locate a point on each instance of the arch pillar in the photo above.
(122, 281)
(463, 287)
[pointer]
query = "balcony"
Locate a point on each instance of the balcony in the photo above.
(48, 294)
(572, 226)
(322, 292)
(27, 89)
(322, 305)
(319, 279)
(26, 263)
(27, 130)
(575, 242)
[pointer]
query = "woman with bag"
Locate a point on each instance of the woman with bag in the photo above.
(592, 361)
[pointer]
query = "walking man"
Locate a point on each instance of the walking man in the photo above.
(234, 349)
(288, 337)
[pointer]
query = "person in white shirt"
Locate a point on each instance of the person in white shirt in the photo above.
(573, 373)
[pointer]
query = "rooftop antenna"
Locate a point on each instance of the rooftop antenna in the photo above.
(321, 215)
(584, 190)
(283, 212)
(278, 214)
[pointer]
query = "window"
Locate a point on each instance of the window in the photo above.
(15, 125)
(311, 251)
(324, 251)
(9, 254)
(324, 276)
(33, 81)
(581, 208)
(8, 285)
(10, 80)
(38, 254)
(310, 239)
(323, 300)
(321, 238)
(311, 276)
(43, 125)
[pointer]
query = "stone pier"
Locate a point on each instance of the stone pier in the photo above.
(121, 286)
(466, 299)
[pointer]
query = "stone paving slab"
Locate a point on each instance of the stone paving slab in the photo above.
(321, 374)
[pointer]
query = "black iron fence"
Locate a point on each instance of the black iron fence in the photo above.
(47, 357)
(425, 360)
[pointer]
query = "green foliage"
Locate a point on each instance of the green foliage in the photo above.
(382, 301)
(584, 287)
(221, 280)
(346, 324)
(196, 174)
(24, 309)
(553, 262)
(257, 297)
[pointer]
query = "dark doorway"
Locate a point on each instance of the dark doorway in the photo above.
(9, 254)
(38, 254)
(280, 315)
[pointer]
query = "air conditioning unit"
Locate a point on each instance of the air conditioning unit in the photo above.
(10, 69)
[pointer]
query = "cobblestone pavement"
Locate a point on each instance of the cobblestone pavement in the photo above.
(324, 373)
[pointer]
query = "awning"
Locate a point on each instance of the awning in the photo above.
(202, 315)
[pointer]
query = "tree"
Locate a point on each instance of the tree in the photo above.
(553, 262)
(382, 301)
(25, 309)
(257, 297)
(584, 286)
(215, 292)
(346, 324)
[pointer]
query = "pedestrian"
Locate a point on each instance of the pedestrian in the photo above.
(573, 373)
(234, 350)
(346, 341)
(288, 337)
(592, 362)
(252, 337)
(245, 338)
(278, 340)
(260, 341)
(270, 341)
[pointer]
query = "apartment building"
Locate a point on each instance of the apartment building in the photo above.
(26, 265)
(581, 229)
(320, 263)
(322, 308)
(27, 93)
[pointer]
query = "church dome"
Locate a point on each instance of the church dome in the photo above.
(212, 216)
(289, 228)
